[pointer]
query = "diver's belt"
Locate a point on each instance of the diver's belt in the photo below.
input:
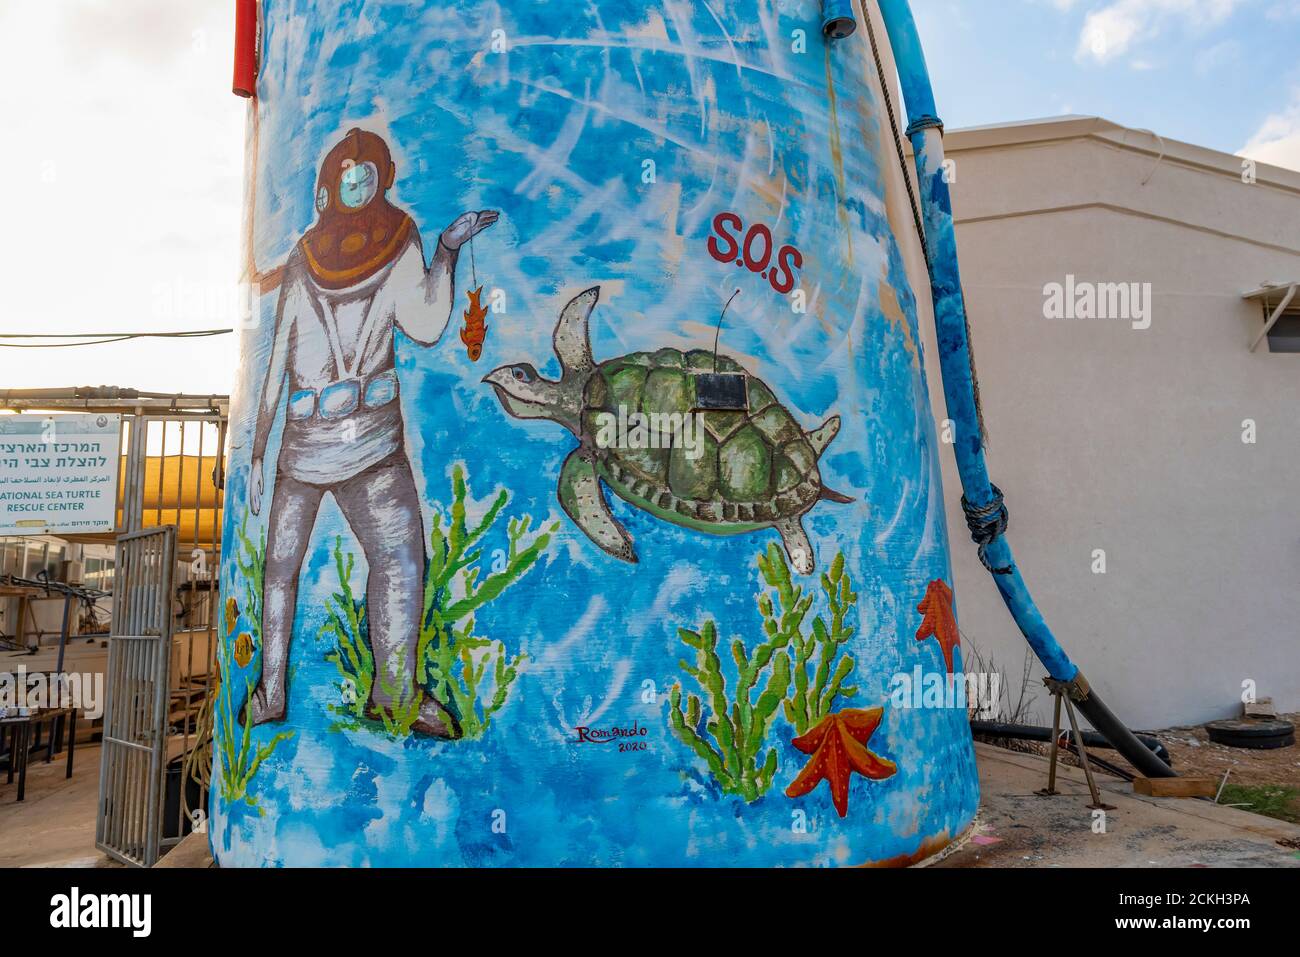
(340, 399)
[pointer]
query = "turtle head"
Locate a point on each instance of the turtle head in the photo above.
(526, 394)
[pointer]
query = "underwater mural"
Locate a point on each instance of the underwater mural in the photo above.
(584, 490)
(749, 466)
(356, 276)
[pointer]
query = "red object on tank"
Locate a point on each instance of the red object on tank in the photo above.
(245, 48)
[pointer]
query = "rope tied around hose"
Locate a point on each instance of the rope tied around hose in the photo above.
(988, 523)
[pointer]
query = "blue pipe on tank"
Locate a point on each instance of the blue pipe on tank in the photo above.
(909, 58)
(985, 512)
(838, 20)
(925, 130)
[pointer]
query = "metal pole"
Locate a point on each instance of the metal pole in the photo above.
(1050, 790)
(1277, 314)
(58, 670)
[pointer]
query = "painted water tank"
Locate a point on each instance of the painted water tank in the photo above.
(584, 502)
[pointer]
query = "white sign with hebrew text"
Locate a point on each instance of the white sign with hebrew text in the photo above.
(59, 473)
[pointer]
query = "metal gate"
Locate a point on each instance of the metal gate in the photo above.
(174, 476)
(129, 826)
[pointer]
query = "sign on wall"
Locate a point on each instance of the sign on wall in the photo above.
(59, 473)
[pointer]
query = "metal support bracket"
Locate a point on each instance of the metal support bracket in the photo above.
(1069, 692)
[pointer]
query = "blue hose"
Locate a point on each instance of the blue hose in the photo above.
(985, 511)
(924, 129)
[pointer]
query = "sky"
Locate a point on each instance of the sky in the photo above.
(1223, 74)
(126, 156)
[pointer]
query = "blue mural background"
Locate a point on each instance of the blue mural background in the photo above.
(555, 132)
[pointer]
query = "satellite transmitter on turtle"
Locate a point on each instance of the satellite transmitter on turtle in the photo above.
(721, 391)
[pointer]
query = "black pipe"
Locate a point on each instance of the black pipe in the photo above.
(1028, 732)
(1103, 764)
(1147, 763)
(1149, 756)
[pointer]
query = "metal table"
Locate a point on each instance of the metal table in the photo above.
(19, 731)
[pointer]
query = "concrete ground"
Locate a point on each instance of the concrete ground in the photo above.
(55, 826)
(1018, 828)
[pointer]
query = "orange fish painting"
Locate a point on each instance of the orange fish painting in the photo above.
(232, 614)
(243, 649)
(475, 331)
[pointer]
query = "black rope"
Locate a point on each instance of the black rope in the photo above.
(987, 524)
(98, 338)
(183, 334)
(917, 218)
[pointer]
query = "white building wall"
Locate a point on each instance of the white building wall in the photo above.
(1105, 437)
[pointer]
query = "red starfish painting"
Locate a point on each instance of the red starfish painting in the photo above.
(939, 621)
(838, 746)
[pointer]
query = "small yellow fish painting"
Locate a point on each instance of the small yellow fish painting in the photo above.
(232, 615)
(243, 649)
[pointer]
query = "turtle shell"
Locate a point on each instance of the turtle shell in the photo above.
(756, 467)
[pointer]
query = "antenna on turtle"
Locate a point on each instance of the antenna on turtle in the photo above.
(721, 391)
(717, 335)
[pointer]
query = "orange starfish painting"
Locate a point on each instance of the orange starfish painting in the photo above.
(939, 622)
(838, 746)
(475, 331)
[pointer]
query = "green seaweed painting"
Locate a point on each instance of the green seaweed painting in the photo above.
(812, 698)
(731, 738)
(454, 663)
(738, 728)
(237, 759)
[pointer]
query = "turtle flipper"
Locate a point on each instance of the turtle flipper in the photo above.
(584, 502)
(572, 336)
(820, 438)
(824, 435)
(796, 544)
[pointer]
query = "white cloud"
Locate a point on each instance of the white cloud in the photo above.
(128, 146)
(1277, 141)
(1114, 29)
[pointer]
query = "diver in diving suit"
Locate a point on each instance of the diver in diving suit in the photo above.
(354, 276)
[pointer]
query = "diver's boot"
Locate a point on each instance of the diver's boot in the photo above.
(432, 720)
(260, 709)
(436, 721)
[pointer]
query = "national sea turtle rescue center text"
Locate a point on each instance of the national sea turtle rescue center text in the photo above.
(55, 500)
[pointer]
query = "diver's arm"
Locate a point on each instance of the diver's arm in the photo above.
(427, 324)
(420, 299)
(291, 297)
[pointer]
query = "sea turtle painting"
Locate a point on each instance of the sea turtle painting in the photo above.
(751, 465)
